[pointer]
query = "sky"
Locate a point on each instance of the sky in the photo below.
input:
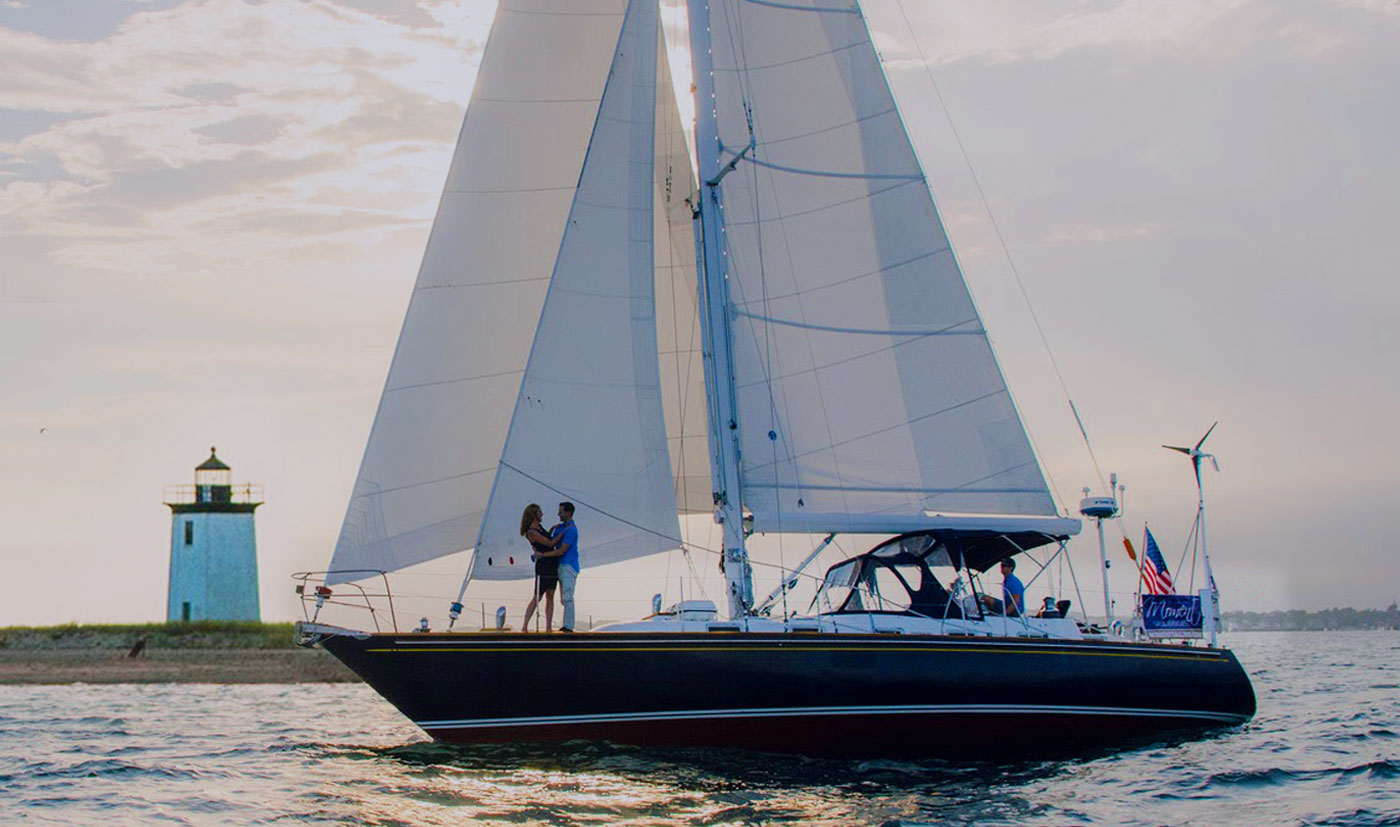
(212, 212)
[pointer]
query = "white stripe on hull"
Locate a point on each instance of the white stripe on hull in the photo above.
(795, 641)
(820, 711)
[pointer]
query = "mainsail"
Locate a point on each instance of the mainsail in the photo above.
(588, 425)
(432, 454)
(866, 389)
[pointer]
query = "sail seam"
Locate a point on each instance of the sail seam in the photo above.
(791, 7)
(864, 196)
(859, 331)
(899, 489)
(903, 424)
(816, 368)
(826, 173)
(803, 59)
(826, 129)
(857, 277)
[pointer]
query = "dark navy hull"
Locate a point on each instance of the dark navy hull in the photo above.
(805, 693)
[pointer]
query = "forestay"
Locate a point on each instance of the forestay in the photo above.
(588, 424)
(866, 387)
(432, 453)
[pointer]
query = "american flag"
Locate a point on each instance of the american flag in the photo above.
(1154, 568)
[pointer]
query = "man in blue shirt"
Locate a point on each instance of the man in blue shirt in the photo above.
(565, 536)
(1013, 593)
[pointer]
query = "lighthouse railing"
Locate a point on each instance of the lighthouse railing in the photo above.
(315, 595)
(248, 493)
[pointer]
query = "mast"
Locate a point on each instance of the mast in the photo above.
(723, 419)
(1214, 609)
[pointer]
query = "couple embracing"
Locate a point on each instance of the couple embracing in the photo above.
(556, 563)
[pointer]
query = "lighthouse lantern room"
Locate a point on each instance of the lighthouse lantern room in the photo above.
(213, 549)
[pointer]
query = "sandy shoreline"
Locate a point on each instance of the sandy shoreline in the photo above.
(59, 666)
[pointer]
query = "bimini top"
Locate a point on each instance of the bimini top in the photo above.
(976, 550)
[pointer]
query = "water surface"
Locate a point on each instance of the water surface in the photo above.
(1323, 749)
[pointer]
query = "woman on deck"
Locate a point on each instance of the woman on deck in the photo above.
(546, 565)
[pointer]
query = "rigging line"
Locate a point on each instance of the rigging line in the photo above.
(381, 491)
(479, 284)
(507, 190)
(593, 101)
(678, 541)
(682, 387)
(545, 13)
(453, 381)
(986, 205)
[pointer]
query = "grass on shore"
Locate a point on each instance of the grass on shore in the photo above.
(202, 634)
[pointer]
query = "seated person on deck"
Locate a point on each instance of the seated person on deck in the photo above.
(1013, 593)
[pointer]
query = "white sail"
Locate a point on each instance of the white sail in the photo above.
(588, 425)
(431, 457)
(677, 305)
(866, 387)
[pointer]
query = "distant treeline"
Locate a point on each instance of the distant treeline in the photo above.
(204, 634)
(1299, 620)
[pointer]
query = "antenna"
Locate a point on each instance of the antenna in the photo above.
(1099, 509)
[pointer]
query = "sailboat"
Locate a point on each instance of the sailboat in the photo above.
(774, 331)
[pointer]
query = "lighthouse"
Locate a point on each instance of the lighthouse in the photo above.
(213, 551)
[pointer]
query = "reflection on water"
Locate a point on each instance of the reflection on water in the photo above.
(1323, 749)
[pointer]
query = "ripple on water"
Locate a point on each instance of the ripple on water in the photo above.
(338, 754)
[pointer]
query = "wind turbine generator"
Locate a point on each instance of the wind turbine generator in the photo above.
(1196, 455)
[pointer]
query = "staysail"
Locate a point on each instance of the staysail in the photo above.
(677, 304)
(432, 454)
(588, 425)
(865, 385)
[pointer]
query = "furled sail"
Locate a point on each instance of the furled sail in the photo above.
(432, 454)
(588, 425)
(865, 384)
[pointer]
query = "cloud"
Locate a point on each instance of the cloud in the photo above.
(1029, 30)
(245, 129)
(1378, 6)
(187, 121)
(1310, 41)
